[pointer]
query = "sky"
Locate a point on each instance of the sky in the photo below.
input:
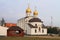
(12, 10)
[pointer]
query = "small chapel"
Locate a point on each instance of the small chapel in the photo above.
(32, 25)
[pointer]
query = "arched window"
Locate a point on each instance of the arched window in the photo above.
(35, 30)
(35, 24)
(39, 28)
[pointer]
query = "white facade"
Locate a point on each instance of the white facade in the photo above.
(23, 23)
(3, 31)
(31, 31)
(38, 32)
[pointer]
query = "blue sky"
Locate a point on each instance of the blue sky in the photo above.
(12, 10)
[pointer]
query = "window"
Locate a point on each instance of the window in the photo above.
(42, 31)
(17, 32)
(39, 28)
(35, 30)
(35, 24)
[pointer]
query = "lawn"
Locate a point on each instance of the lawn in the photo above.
(29, 38)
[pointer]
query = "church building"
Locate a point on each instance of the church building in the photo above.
(32, 25)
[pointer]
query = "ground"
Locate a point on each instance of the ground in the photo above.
(31, 38)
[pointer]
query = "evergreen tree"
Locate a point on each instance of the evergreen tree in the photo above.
(2, 22)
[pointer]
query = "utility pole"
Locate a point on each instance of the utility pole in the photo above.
(51, 21)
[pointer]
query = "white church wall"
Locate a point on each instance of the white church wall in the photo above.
(45, 31)
(33, 32)
(38, 33)
(28, 30)
(21, 23)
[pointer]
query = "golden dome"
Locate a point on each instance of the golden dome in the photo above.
(28, 10)
(35, 12)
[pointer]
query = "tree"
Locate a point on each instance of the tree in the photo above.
(55, 31)
(2, 22)
(49, 30)
(52, 30)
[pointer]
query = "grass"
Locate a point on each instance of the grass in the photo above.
(29, 38)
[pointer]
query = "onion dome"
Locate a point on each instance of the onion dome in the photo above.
(35, 12)
(28, 10)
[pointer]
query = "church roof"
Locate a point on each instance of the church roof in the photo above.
(15, 28)
(35, 20)
(28, 16)
(43, 26)
(31, 26)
